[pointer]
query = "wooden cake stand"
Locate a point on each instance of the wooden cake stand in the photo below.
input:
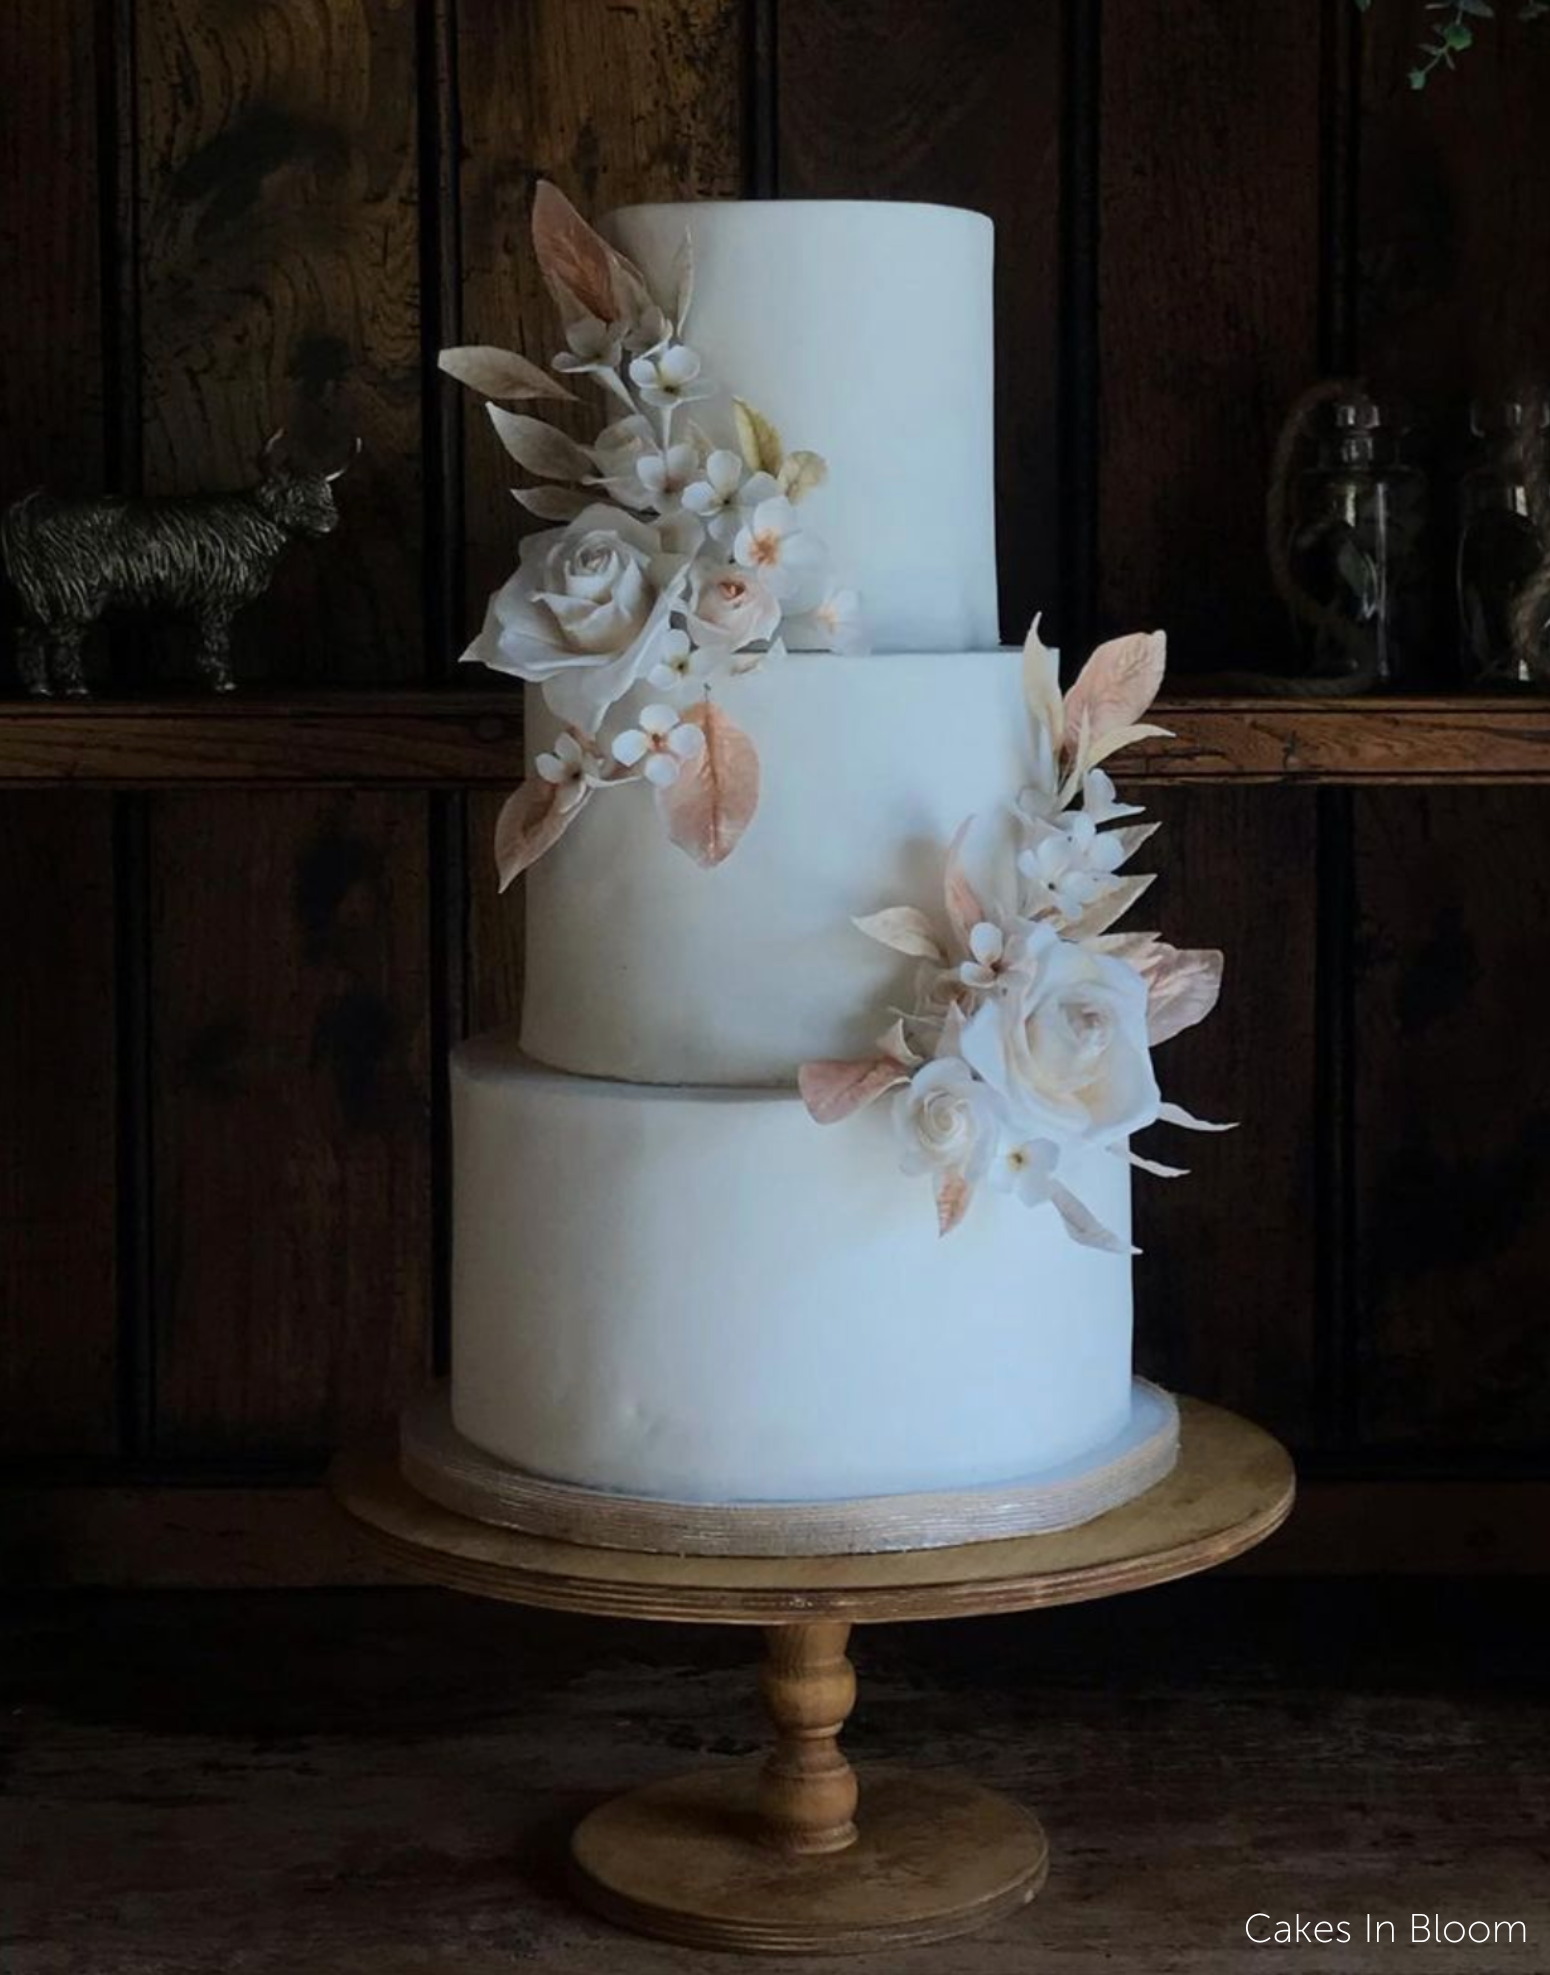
(775, 1860)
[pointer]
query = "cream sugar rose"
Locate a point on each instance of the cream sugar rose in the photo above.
(824, 948)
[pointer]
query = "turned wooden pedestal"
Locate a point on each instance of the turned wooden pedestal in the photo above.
(792, 1856)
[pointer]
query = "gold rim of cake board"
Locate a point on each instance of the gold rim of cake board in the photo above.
(440, 1464)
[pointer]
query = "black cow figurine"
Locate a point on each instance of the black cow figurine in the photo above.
(207, 554)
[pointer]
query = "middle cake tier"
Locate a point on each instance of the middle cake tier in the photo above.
(644, 967)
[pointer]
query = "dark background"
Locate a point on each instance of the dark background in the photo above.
(222, 1015)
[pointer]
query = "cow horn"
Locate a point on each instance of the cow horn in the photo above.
(268, 455)
(355, 453)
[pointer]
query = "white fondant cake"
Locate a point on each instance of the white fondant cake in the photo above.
(739, 974)
(865, 330)
(700, 1295)
(668, 1279)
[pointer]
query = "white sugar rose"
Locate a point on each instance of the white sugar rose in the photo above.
(729, 608)
(945, 1121)
(1062, 1043)
(586, 613)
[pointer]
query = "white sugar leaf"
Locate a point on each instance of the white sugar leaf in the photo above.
(903, 928)
(552, 503)
(500, 373)
(1103, 912)
(895, 1044)
(1153, 1166)
(1041, 686)
(539, 447)
(683, 281)
(1175, 1114)
(1083, 1225)
(1132, 836)
(757, 438)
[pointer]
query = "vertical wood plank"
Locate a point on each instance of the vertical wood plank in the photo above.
(615, 104)
(1208, 308)
(960, 106)
(289, 935)
(279, 286)
(291, 1125)
(58, 1317)
(1452, 1122)
(1226, 1286)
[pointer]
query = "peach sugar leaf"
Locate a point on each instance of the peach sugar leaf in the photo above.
(1117, 684)
(531, 821)
(833, 1091)
(539, 447)
(713, 801)
(953, 1194)
(1041, 686)
(500, 373)
(553, 503)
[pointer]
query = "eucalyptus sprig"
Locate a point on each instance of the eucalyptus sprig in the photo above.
(1455, 36)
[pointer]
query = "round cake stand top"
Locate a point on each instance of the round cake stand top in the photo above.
(1232, 1487)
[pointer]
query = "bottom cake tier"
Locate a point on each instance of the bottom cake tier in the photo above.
(699, 1295)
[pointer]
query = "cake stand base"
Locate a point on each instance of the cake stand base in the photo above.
(685, 1861)
(794, 1856)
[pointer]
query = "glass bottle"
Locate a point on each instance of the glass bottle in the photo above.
(1500, 555)
(1356, 552)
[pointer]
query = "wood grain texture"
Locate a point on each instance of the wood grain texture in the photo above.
(291, 1245)
(1452, 1123)
(1226, 1287)
(1208, 306)
(279, 286)
(1232, 1488)
(58, 1192)
(959, 106)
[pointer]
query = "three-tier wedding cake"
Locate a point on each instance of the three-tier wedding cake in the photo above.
(819, 901)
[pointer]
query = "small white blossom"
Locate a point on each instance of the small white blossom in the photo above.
(593, 346)
(1099, 801)
(664, 475)
(681, 665)
(660, 745)
(1026, 1170)
(715, 498)
(670, 376)
(572, 769)
(837, 625)
(987, 946)
(1070, 865)
(790, 559)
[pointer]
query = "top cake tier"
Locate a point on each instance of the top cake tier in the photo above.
(864, 331)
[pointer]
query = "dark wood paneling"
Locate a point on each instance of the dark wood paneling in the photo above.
(291, 1244)
(57, 1147)
(279, 286)
(1226, 1287)
(279, 283)
(615, 104)
(1208, 307)
(1452, 1121)
(959, 105)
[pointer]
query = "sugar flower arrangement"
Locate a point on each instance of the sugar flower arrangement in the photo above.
(678, 561)
(1028, 1043)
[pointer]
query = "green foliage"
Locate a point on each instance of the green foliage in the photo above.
(1454, 36)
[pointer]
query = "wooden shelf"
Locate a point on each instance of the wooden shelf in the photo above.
(458, 739)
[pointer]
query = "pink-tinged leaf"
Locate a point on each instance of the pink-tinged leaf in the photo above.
(1099, 750)
(553, 503)
(500, 373)
(713, 801)
(904, 929)
(1181, 987)
(832, 1091)
(581, 271)
(531, 821)
(964, 911)
(576, 263)
(1175, 1114)
(1103, 912)
(539, 447)
(953, 1194)
(1041, 686)
(1083, 1225)
(1117, 684)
